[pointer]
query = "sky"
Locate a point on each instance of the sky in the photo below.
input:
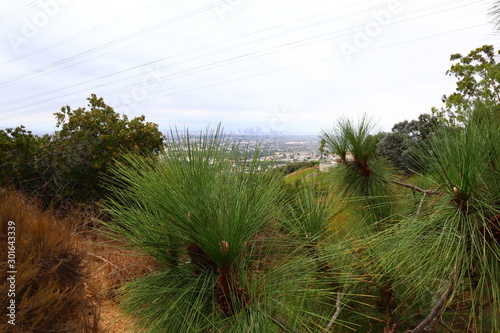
(279, 66)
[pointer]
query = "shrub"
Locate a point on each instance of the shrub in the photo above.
(367, 176)
(213, 221)
(90, 140)
(447, 251)
(68, 166)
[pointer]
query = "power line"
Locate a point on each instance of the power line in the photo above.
(15, 11)
(229, 61)
(108, 44)
(233, 60)
(284, 68)
(85, 32)
(10, 81)
(13, 80)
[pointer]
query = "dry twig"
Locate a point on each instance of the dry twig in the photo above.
(416, 188)
(335, 315)
(432, 318)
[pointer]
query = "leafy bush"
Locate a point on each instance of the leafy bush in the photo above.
(23, 159)
(407, 140)
(69, 165)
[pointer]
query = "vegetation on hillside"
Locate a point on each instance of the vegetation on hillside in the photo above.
(228, 263)
(68, 165)
(402, 236)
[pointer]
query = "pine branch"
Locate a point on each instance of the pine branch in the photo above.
(335, 315)
(418, 189)
(431, 319)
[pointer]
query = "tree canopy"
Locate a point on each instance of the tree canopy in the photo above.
(478, 81)
(400, 144)
(69, 164)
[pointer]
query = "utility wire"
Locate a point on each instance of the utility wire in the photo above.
(225, 62)
(133, 13)
(6, 15)
(280, 69)
(228, 61)
(108, 44)
(11, 81)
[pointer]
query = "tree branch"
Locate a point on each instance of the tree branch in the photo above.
(421, 202)
(413, 187)
(335, 315)
(431, 319)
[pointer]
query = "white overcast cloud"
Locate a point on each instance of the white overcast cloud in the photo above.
(291, 66)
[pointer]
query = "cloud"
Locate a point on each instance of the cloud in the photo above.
(242, 63)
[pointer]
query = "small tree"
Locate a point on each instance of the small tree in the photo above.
(400, 145)
(448, 248)
(215, 220)
(90, 141)
(478, 81)
(69, 165)
(367, 176)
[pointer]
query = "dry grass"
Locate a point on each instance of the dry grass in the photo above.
(52, 293)
(67, 275)
(110, 267)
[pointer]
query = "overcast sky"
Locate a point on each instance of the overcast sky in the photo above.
(290, 66)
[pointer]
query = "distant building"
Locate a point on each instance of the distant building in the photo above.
(333, 161)
(325, 166)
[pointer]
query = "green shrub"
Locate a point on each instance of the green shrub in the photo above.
(366, 176)
(213, 221)
(448, 248)
(68, 166)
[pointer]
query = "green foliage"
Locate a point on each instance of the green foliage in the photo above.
(300, 175)
(478, 81)
(366, 176)
(346, 136)
(212, 219)
(24, 159)
(311, 210)
(242, 251)
(453, 241)
(69, 165)
(91, 140)
(294, 166)
(407, 137)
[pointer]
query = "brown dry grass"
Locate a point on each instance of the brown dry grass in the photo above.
(110, 267)
(51, 290)
(68, 274)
